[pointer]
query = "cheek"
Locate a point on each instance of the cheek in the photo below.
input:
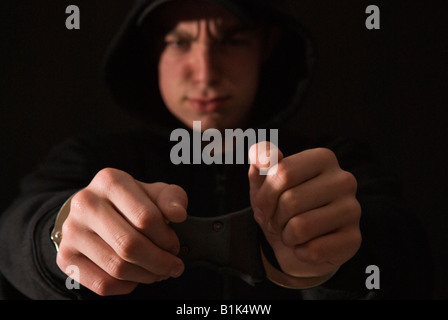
(245, 74)
(168, 73)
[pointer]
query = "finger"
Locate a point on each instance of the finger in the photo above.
(255, 180)
(171, 199)
(331, 250)
(131, 245)
(314, 223)
(130, 199)
(97, 251)
(311, 194)
(91, 276)
(263, 157)
(292, 171)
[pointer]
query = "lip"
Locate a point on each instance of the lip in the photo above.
(206, 105)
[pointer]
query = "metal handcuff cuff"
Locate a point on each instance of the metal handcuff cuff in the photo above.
(230, 244)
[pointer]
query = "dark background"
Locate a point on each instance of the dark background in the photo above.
(387, 86)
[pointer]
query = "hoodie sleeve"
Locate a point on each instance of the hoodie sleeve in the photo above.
(28, 256)
(393, 238)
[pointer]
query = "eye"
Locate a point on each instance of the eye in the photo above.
(177, 43)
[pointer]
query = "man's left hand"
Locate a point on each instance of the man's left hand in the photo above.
(307, 208)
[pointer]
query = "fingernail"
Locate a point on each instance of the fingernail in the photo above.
(174, 204)
(161, 278)
(177, 271)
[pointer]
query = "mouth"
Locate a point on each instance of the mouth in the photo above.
(207, 105)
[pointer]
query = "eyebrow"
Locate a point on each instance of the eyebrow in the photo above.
(178, 33)
(223, 32)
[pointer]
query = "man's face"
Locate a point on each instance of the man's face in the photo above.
(209, 65)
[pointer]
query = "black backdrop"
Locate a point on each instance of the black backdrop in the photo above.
(387, 86)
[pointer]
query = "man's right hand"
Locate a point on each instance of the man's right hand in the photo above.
(117, 233)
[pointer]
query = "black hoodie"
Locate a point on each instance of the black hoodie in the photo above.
(133, 82)
(28, 257)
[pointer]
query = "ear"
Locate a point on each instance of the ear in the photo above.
(273, 37)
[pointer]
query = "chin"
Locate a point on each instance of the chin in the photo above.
(208, 122)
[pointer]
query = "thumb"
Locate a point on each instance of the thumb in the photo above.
(264, 156)
(172, 200)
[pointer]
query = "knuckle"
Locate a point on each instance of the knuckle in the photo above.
(103, 286)
(66, 258)
(289, 203)
(109, 176)
(126, 246)
(326, 155)
(313, 254)
(353, 208)
(116, 267)
(82, 200)
(143, 217)
(348, 180)
(107, 286)
(300, 228)
(163, 265)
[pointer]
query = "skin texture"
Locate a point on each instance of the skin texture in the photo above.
(209, 67)
(117, 231)
(307, 210)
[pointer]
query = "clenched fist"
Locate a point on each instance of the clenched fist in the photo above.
(117, 233)
(307, 208)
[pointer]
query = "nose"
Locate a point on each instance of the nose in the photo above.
(205, 65)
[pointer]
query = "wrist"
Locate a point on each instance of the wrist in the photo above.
(287, 281)
(56, 233)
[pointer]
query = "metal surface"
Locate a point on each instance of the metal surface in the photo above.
(228, 243)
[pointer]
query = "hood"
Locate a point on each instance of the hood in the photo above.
(133, 82)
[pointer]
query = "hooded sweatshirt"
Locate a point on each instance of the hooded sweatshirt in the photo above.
(28, 257)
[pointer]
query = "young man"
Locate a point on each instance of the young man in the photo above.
(228, 64)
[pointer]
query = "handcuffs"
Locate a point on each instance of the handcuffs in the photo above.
(232, 244)
(229, 244)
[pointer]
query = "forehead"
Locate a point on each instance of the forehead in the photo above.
(178, 12)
